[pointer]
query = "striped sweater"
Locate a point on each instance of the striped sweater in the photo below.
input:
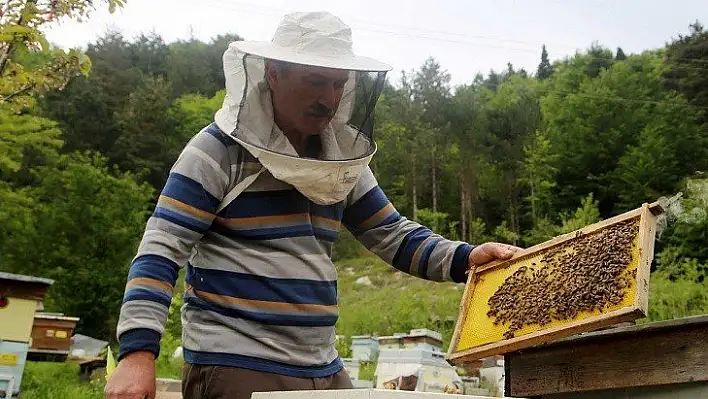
(261, 289)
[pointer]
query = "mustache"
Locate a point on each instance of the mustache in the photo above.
(321, 111)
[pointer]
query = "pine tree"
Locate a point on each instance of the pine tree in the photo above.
(545, 69)
(620, 56)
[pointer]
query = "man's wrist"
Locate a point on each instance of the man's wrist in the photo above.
(461, 263)
(139, 355)
(139, 340)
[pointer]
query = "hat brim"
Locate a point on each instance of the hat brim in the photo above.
(275, 52)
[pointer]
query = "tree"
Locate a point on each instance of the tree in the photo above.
(686, 59)
(87, 220)
(192, 112)
(18, 133)
(196, 67)
(150, 55)
(545, 69)
(21, 24)
(431, 99)
(620, 56)
(600, 60)
(87, 108)
(148, 144)
(594, 126)
(512, 115)
(538, 174)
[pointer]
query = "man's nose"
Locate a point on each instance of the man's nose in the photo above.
(328, 97)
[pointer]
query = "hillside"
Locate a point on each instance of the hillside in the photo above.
(395, 302)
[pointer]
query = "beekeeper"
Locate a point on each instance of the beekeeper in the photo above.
(251, 209)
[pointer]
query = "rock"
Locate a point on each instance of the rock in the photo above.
(364, 281)
(349, 271)
(177, 353)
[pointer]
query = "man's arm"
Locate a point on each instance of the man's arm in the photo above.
(185, 210)
(402, 243)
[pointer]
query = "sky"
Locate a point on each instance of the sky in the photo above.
(465, 37)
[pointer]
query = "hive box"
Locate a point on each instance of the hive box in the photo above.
(361, 394)
(13, 356)
(53, 331)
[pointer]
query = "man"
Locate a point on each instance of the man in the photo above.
(251, 209)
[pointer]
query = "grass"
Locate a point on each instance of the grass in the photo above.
(396, 302)
(57, 380)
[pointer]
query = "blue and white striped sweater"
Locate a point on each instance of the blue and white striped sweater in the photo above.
(261, 289)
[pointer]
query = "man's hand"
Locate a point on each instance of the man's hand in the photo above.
(134, 378)
(490, 251)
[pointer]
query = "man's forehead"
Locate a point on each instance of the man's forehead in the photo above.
(323, 72)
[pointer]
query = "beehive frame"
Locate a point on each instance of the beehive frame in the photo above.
(647, 215)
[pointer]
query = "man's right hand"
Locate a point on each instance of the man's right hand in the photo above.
(134, 378)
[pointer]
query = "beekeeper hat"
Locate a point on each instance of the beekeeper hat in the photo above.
(316, 39)
(313, 38)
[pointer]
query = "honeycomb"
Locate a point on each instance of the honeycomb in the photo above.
(579, 278)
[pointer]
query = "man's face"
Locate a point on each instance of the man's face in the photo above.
(306, 97)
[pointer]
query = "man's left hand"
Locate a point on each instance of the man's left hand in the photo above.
(490, 251)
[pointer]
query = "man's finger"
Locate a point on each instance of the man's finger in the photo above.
(502, 251)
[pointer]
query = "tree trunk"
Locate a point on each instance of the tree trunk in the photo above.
(514, 210)
(415, 200)
(463, 209)
(533, 203)
(415, 191)
(435, 180)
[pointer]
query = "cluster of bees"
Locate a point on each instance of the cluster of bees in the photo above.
(587, 273)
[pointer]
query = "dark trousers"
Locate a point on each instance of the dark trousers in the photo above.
(217, 382)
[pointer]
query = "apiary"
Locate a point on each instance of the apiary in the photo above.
(581, 281)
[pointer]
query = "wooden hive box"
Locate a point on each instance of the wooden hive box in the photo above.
(53, 332)
(19, 298)
(552, 277)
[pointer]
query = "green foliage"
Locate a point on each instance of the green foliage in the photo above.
(83, 230)
(587, 214)
(18, 133)
(686, 237)
(147, 145)
(58, 380)
(502, 233)
(505, 157)
(538, 176)
(192, 112)
(344, 346)
(367, 370)
(545, 69)
(542, 231)
(672, 297)
(609, 133)
(686, 57)
(21, 25)
(438, 222)
(347, 247)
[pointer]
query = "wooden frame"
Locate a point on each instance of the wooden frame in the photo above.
(648, 215)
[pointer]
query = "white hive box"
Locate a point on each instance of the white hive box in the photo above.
(361, 394)
(364, 347)
(430, 370)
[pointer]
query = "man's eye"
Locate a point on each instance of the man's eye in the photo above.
(317, 83)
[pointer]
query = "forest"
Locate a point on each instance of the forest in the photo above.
(87, 137)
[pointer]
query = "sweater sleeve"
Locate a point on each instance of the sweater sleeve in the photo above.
(406, 245)
(186, 207)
